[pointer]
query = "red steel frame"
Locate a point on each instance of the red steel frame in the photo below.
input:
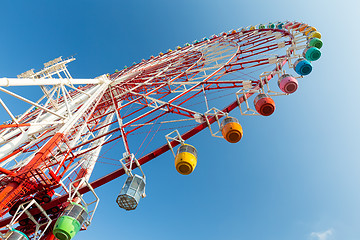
(29, 180)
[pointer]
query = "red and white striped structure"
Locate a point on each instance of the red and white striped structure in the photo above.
(59, 138)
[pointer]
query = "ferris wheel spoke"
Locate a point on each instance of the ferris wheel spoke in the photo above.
(254, 37)
(260, 50)
(261, 41)
(250, 64)
(165, 106)
(156, 103)
(173, 99)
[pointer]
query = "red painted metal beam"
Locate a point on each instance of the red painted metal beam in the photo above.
(101, 181)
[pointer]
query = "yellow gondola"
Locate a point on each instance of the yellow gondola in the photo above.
(314, 34)
(186, 159)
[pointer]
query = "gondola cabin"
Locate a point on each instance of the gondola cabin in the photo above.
(14, 234)
(70, 222)
(186, 159)
(302, 67)
(131, 193)
(231, 130)
(287, 83)
(264, 104)
(311, 53)
(315, 42)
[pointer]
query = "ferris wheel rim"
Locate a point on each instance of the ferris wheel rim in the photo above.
(188, 134)
(230, 59)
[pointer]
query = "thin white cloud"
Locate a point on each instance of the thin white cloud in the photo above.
(322, 235)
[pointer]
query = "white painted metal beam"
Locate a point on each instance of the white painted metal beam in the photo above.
(7, 82)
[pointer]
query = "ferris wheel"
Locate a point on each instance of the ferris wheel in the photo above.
(48, 153)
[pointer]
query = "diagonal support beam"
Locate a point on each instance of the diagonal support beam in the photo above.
(30, 102)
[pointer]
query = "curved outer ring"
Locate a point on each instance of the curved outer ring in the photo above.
(148, 157)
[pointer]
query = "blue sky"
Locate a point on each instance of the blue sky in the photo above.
(294, 175)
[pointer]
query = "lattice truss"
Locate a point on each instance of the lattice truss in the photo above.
(59, 137)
